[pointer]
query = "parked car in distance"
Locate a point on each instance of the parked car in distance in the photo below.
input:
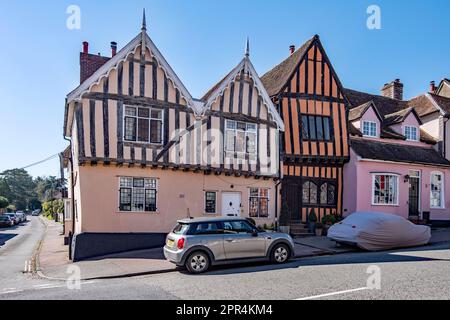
(36, 212)
(13, 217)
(197, 244)
(5, 221)
(375, 231)
(21, 216)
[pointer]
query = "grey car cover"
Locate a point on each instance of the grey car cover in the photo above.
(375, 231)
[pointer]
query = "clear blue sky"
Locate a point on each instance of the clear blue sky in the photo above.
(202, 40)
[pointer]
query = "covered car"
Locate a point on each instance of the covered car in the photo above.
(376, 231)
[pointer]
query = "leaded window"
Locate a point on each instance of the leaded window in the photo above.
(137, 194)
(259, 203)
(143, 125)
(240, 137)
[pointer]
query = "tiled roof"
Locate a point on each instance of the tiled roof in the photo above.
(442, 102)
(376, 150)
(275, 79)
(400, 116)
(423, 105)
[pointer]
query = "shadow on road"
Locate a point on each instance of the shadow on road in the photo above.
(400, 256)
(6, 237)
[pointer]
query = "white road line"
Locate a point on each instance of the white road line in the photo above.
(10, 291)
(332, 294)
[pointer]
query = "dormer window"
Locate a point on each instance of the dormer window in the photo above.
(411, 133)
(370, 129)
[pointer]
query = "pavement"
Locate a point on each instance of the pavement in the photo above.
(53, 262)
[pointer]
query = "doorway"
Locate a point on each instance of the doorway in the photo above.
(231, 204)
(414, 193)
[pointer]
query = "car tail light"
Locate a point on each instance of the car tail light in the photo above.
(181, 243)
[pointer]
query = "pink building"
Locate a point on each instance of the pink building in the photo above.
(397, 164)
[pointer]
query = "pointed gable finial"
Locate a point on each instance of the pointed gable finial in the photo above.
(247, 48)
(144, 21)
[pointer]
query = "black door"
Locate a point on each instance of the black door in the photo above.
(414, 196)
(292, 197)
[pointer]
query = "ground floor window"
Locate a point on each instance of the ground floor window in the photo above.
(259, 203)
(137, 194)
(321, 193)
(437, 190)
(210, 202)
(385, 189)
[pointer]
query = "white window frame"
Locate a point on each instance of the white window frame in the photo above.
(204, 202)
(68, 209)
(259, 197)
(149, 128)
(236, 130)
(441, 174)
(369, 123)
(411, 128)
(132, 211)
(396, 204)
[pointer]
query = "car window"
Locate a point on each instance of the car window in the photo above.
(234, 227)
(207, 228)
(180, 228)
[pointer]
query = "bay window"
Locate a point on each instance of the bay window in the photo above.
(137, 194)
(143, 125)
(240, 137)
(385, 189)
(437, 191)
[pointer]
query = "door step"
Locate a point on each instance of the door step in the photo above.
(300, 229)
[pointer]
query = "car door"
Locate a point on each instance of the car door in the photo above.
(240, 242)
(210, 235)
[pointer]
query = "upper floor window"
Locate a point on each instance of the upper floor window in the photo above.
(370, 129)
(143, 125)
(411, 133)
(385, 189)
(137, 194)
(437, 191)
(316, 128)
(240, 137)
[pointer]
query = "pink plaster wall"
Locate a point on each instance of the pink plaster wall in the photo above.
(358, 194)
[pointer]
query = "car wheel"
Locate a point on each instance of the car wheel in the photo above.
(197, 262)
(280, 253)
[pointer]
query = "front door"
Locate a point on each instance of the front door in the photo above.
(414, 189)
(292, 193)
(231, 204)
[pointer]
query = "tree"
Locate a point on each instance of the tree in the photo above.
(48, 188)
(19, 187)
(4, 203)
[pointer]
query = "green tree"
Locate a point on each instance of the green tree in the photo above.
(4, 203)
(21, 187)
(48, 188)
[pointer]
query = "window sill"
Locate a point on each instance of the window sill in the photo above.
(436, 208)
(385, 205)
(138, 212)
(148, 144)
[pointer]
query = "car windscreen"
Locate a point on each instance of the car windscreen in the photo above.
(180, 228)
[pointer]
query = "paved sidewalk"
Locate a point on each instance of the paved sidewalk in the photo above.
(323, 245)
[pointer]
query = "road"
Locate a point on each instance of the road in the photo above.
(404, 274)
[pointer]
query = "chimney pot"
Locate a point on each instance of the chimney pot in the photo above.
(113, 48)
(432, 87)
(85, 47)
(292, 49)
(393, 90)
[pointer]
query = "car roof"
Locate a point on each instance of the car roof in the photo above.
(214, 219)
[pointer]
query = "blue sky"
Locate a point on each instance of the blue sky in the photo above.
(202, 40)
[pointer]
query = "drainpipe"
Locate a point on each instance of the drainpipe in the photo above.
(444, 147)
(276, 204)
(72, 200)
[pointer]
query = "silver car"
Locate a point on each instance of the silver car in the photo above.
(197, 244)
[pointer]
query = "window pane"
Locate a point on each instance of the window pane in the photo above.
(126, 182)
(230, 140)
(207, 228)
(251, 127)
(125, 199)
(130, 111)
(240, 141)
(231, 124)
(150, 200)
(143, 132)
(210, 204)
(326, 129)
(324, 193)
(254, 192)
(144, 112)
(263, 208)
(331, 195)
(156, 114)
(264, 193)
(306, 187)
(138, 183)
(241, 126)
(312, 128)
(156, 131)
(251, 142)
(130, 129)
(138, 199)
(253, 207)
(305, 130)
(150, 183)
(319, 128)
(313, 193)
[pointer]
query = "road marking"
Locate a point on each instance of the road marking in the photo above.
(10, 291)
(333, 294)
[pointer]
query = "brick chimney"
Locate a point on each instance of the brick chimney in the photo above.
(292, 49)
(432, 87)
(113, 48)
(89, 63)
(393, 90)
